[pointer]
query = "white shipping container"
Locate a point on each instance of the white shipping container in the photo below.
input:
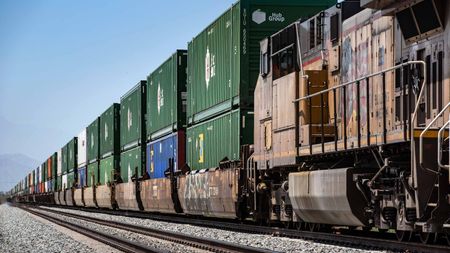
(82, 155)
(59, 163)
(40, 174)
(64, 182)
(46, 186)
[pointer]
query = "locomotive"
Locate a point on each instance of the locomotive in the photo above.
(346, 103)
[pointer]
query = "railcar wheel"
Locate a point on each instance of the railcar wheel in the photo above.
(403, 236)
(427, 238)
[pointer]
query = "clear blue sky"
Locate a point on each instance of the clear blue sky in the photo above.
(62, 63)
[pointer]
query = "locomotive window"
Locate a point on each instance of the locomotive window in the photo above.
(405, 19)
(283, 63)
(312, 36)
(334, 27)
(426, 17)
(440, 77)
(318, 30)
(434, 85)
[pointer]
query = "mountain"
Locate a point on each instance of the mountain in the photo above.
(13, 168)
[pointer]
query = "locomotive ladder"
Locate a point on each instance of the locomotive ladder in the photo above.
(438, 204)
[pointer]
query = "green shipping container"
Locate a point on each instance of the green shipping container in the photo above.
(108, 167)
(132, 121)
(132, 162)
(64, 160)
(72, 155)
(223, 62)
(92, 174)
(211, 141)
(93, 141)
(70, 179)
(54, 164)
(166, 96)
(110, 131)
(58, 183)
(44, 172)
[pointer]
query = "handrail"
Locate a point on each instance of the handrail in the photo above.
(364, 78)
(439, 146)
(426, 129)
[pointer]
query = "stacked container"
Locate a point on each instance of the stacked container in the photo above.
(80, 173)
(93, 152)
(166, 115)
(223, 67)
(109, 144)
(133, 109)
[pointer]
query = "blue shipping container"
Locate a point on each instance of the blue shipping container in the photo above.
(81, 177)
(161, 150)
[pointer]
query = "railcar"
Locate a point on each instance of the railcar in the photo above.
(349, 118)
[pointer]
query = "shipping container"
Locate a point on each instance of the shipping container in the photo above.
(160, 151)
(166, 96)
(48, 168)
(223, 62)
(132, 163)
(132, 121)
(64, 182)
(81, 175)
(65, 160)
(93, 141)
(59, 164)
(71, 179)
(54, 164)
(92, 174)
(81, 149)
(58, 183)
(44, 172)
(109, 131)
(72, 154)
(108, 167)
(217, 139)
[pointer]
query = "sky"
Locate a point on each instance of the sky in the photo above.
(62, 63)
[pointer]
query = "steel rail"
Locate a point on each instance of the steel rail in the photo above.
(108, 239)
(367, 241)
(176, 237)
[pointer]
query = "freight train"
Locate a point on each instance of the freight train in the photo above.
(313, 114)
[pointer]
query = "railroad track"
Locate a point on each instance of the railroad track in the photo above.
(128, 246)
(364, 241)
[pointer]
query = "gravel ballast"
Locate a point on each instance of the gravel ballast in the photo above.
(141, 239)
(281, 244)
(21, 232)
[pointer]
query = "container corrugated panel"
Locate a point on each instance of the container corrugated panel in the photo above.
(108, 167)
(59, 164)
(72, 155)
(133, 108)
(160, 151)
(93, 141)
(109, 131)
(81, 149)
(166, 96)
(81, 172)
(92, 174)
(223, 62)
(214, 140)
(132, 162)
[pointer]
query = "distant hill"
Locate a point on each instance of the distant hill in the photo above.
(13, 168)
